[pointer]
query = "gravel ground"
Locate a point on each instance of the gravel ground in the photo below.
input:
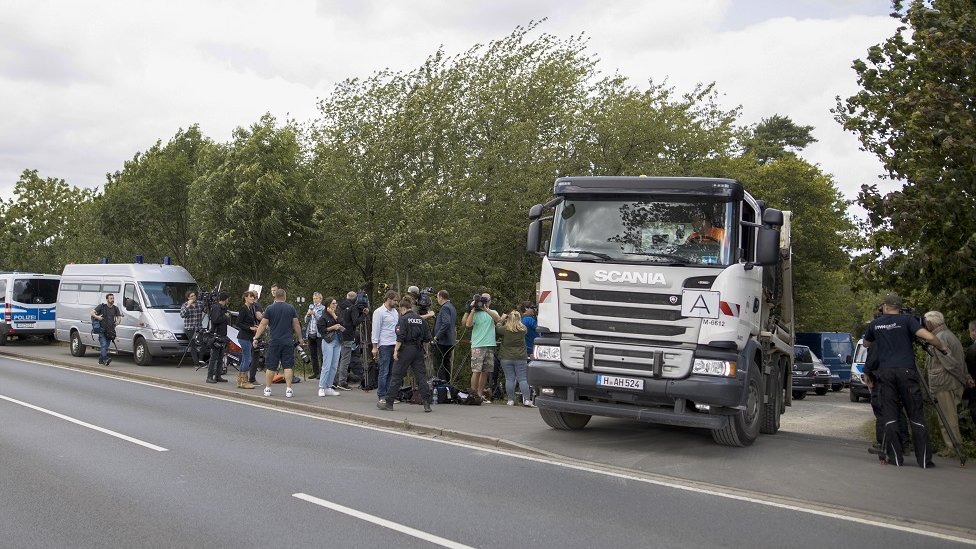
(832, 415)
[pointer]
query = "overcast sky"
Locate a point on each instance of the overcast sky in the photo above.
(86, 85)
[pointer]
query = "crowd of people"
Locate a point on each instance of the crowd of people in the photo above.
(405, 335)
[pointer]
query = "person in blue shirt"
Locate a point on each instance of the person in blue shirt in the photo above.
(528, 311)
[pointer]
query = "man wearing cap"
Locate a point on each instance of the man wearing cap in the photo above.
(893, 333)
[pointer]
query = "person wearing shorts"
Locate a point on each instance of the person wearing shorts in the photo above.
(280, 320)
(481, 319)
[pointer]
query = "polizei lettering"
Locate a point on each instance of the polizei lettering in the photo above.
(629, 277)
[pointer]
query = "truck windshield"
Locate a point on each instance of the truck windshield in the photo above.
(651, 229)
(166, 295)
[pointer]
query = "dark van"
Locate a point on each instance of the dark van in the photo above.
(836, 350)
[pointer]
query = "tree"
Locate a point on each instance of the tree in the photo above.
(43, 226)
(917, 113)
(776, 137)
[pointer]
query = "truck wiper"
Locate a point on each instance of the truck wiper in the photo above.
(601, 255)
(672, 257)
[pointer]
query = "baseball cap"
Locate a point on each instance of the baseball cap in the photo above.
(893, 300)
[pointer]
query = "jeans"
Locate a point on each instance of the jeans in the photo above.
(330, 360)
(245, 345)
(517, 370)
(385, 370)
(345, 357)
(102, 347)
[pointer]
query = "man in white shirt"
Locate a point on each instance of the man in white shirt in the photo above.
(384, 338)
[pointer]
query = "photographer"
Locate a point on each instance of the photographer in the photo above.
(445, 336)
(894, 333)
(421, 302)
(412, 337)
(528, 311)
(192, 314)
(219, 318)
(351, 316)
(247, 324)
(947, 375)
(481, 319)
(109, 315)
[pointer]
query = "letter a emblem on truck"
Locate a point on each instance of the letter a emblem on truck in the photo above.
(700, 304)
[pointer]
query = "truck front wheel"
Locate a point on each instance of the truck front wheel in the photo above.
(742, 427)
(564, 421)
(773, 407)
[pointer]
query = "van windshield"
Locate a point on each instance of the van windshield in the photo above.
(166, 295)
(37, 291)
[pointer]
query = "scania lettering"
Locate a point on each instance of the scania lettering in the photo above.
(665, 300)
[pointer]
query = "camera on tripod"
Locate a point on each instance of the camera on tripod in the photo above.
(362, 299)
(423, 301)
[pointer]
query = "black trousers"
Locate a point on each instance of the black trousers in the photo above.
(879, 419)
(191, 338)
(442, 361)
(315, 353)
(216, 363)
(252, 372)
(900, 387)
(411, 357)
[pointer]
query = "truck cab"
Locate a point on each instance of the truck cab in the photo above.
(662, 300)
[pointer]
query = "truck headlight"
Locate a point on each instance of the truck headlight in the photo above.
(708, 367)
(163, 334)
(546, 352)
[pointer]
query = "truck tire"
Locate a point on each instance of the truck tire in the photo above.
(564, 421)
(742, 428)
(773, 408)
(77, 347)
(141, 352)
(821, 391)
(799, 395)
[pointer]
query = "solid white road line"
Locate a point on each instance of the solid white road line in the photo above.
(84, 424)
(383, 522)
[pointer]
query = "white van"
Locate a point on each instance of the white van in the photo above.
(149, 296)
(28, 303)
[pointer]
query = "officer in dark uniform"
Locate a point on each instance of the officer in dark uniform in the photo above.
(413, 335)
(219, 318)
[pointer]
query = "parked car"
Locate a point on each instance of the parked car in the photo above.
(836, 349)
(809, 373)
(858, 389)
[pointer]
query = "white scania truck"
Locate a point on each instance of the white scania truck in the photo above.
(666, 300)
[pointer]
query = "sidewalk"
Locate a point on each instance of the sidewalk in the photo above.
(493, 425)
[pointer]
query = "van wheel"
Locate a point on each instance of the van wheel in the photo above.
(77, 347)
(564, 421)
(742, 428)
(141, 352)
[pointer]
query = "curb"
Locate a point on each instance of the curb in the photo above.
(353, 417)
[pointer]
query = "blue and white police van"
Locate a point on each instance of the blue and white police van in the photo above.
(28, 302)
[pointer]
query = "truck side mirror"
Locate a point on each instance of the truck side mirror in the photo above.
(535, 212)
(772, 217)
(532, 241)
(767, 250)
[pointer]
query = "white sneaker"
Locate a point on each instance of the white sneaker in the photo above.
(511, 403)
(321, 392)
(529, 404)
(329, 392)
(289, 393)
(267, 391)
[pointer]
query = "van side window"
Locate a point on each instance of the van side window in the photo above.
(130, 300)
(3, 291)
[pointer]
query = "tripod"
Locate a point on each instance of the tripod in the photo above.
(935, 403)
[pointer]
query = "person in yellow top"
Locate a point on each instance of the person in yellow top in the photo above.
(705, 232)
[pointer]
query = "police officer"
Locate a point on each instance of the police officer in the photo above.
(894, 332)
(413, 335)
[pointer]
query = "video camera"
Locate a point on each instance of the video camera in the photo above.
(478, 302)
(423, 302)
(362, 299)
(208, 298)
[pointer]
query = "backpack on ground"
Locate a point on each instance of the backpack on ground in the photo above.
(469, 398)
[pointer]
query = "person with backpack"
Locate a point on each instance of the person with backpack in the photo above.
(108, 316)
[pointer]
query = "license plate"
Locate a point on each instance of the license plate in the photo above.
(25, 324)
(620, 382)
(818, 384)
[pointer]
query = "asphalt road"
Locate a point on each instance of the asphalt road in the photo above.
(196, 470)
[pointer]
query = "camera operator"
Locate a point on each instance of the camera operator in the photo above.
(219, 318)
(412, 337)
(421, 302)
(947, 375)
(481, 319)
(192, 314)
(445, 336)
(894, 333)
(312, 317)
(351, 316)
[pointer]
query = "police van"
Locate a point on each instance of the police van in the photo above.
(28, 301)
(148, 295)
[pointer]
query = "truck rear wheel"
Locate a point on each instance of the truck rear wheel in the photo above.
(564, 421)
(742, 427)
(773, 407)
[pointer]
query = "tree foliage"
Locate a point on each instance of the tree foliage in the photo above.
(776, 137)
(916, 112)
